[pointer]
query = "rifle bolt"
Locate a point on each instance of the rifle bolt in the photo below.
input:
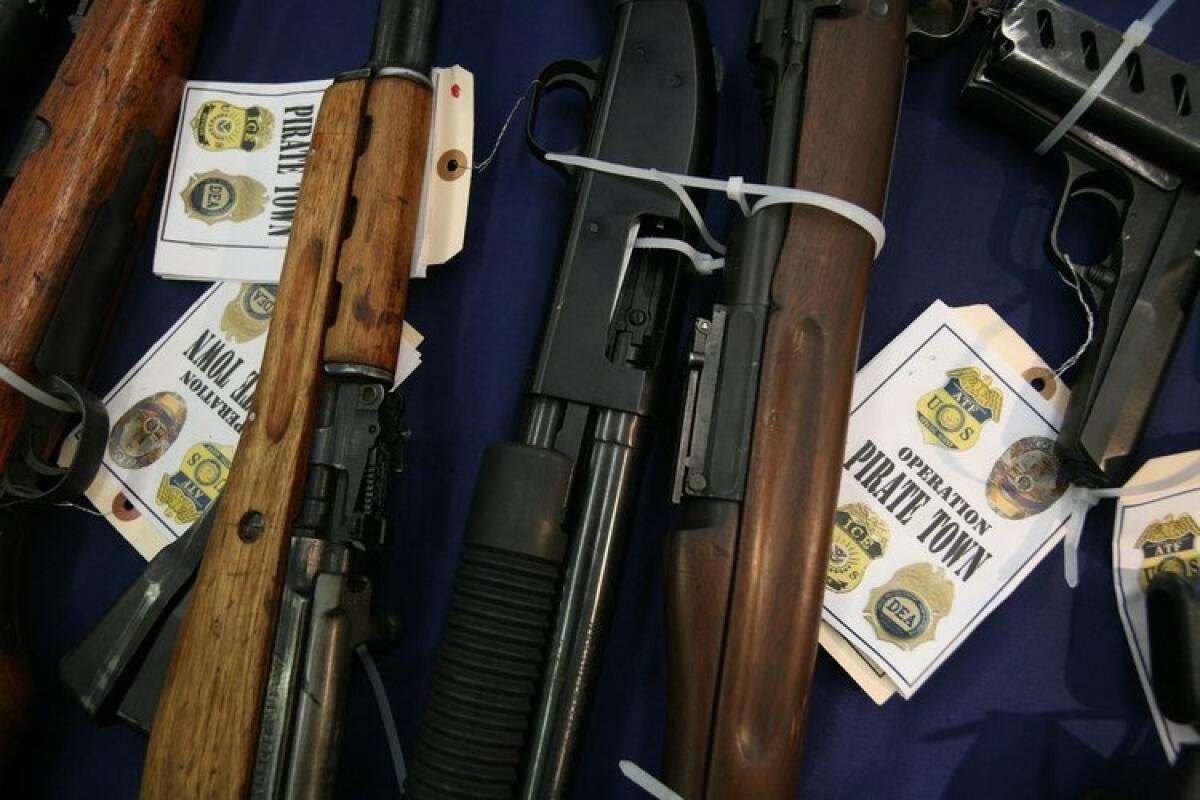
(697, 482)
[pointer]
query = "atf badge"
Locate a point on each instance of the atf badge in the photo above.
(953, 415)
(213, 197)
(1027, 479)
(859, 537)
(200, 478)
(905, 611)
(147, 430)
(219, 125)
(247, 316)
(1169, 545)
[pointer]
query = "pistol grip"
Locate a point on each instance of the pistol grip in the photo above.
(1145, 290)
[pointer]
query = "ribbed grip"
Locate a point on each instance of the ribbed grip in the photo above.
(472, 739)
(485, 677)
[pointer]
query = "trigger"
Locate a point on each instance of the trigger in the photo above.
(1085, 236)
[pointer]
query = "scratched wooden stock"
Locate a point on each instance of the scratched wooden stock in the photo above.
(123, 74)
(782, 548)
(339, 300)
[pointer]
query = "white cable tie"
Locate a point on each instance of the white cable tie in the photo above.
(702, 262)
(1086, 499)
(770, 195)
(385, 711)
(1134, 36)
(735, 191)
(647, 782)
(32, 392)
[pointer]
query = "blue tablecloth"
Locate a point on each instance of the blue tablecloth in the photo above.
(1042, 701)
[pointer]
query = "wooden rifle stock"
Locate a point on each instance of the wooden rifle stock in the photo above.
(341, 299)
(123, 75)
(765, 628)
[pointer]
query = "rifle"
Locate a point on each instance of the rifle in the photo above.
(1136, 150)
(67, 226)
(759, 461)
(280, 598)
(545, 535)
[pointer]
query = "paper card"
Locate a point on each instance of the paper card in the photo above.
(950, 491)
(177, 415)
(234, 179)
(1152, 532)
(446, 193)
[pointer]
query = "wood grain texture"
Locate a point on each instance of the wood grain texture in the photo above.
(374, 266)
(699, 567)
(818, 292)
(123, 74)
(205, 731)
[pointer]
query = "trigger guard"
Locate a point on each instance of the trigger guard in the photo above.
(1077, 171)
(583, 76)
(26, 475)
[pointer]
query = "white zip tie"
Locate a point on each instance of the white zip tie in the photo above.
(385, 711)
(1086, 499)
(702, 262)
(32, 392)
(1133, 37)
(736, 189)
(647, 782)
(1087, 310)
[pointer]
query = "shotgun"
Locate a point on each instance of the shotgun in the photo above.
(545, 535)
(765, 419)
(67, 227)
(303, 506)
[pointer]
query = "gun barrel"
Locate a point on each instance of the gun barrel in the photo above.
(338, 321)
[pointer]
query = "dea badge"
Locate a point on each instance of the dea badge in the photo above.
(199, 479)
(147, 430)
(213, 197)
(906, 610)
(859, 537)
(1169, 545)
(953, 415)
(219, 125)
(247, 316)
(1027, 479)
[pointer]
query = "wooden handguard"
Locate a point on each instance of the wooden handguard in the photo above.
(124, 74)
(341, 299)
(818, 292)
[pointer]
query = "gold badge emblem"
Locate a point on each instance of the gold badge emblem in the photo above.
(953, 415)
(200, 478)
(147, 430)
(859, 537)
(219, 125)
(213, 197)
(247, 316)
(1169, 545)
(1027, 479)
(906, 610)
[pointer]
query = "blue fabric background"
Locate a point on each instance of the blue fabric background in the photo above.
(1042, 702)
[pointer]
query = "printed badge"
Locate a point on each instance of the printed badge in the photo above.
(952, 416)
(1027, 479)
(147, 430)
(859, 537)
(1169, 545)
(213, 197)
(219, 125)
(906, 610)
(248, 315)
(186, 494)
